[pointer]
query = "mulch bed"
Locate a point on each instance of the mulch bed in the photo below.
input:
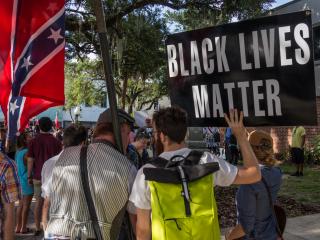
(225, 198)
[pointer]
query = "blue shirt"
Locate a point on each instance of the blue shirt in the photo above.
(254, 211)
(228, 135)
(135, 157)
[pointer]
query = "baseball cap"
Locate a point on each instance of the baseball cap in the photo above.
(124, 117)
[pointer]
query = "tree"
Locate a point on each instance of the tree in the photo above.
(84, 84)
(141, 55)
(81, 29)
(136, 31)
(220, 12)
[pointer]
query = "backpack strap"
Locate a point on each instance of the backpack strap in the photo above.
(168, 173)
(272, 207)
(87, 192)
(158, 162)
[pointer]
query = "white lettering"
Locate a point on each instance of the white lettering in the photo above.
(243, 86)
(244, 64)
(184, 72)
(257, 97)
(221, 54)
(207, 46)
(273, 90)
(268, 48)
(195, 61)
(229, 87)
(217, 102)
(201, 103)
(302, 27)
(283, 45)
(172, 62)
(255, 44)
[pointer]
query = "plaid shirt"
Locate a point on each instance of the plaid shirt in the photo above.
(9, 184)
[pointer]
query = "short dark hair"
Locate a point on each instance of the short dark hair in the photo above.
(105, 128)
(141, 134)
(74, 135)
(82, 134)
(22, 140)
(102, 129)
(45, 124)
(172, 122)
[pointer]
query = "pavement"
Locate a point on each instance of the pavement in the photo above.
(298, 228)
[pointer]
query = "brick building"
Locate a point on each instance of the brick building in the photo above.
(282, 135)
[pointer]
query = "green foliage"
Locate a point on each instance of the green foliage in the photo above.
(312, 155)
(143, 37)
(83, 85)
(136, 32)
(304, 189)
(216, 12)
(283, 156)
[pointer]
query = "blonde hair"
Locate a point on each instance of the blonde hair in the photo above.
(262, 145)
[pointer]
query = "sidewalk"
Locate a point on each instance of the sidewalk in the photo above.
(299, 228)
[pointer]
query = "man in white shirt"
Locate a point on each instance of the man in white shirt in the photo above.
(73, 136)
(170, 128)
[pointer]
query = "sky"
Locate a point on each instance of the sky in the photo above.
(280, 2)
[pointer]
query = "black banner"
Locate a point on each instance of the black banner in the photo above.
(263, 66)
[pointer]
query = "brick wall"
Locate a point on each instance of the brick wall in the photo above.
(282, 135)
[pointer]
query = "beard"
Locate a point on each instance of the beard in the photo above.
(158, 145)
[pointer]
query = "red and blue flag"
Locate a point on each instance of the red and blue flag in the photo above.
(31, 59)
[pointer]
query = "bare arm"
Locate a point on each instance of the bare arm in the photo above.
(143, 224)
(8, 233)
(45, 212)
(250, 172)
(235, 233)
(30, 168)
(303, 140)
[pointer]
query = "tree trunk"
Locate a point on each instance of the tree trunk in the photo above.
(71, 115)
(124, 92)
(130, 107)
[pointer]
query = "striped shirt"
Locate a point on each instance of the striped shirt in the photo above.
(111, 176)
(9, 184)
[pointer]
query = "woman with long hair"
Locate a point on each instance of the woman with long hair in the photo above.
(27, 190)
(255, 215)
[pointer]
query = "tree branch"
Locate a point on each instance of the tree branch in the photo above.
(176, 5)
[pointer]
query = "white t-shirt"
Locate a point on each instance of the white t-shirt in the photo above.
(46, 175)
(140, 195)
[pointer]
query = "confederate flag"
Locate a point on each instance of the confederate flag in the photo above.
(31, 59)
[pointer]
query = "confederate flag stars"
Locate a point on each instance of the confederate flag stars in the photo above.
(26, 63)
(55, 35)
(13, 107)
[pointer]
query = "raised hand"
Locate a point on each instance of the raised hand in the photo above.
(235, 122)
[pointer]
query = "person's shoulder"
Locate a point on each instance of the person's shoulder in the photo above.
(302, 129)
(208, 157)
(69, 154)
(52, 159)
(7, 164)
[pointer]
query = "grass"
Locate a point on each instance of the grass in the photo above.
(304, 189)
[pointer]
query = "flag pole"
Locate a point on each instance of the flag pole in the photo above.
(105, 54)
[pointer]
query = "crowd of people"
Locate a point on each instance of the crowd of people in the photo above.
(125, 187)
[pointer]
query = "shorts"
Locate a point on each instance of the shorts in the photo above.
(297, 155)
(37, 188)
